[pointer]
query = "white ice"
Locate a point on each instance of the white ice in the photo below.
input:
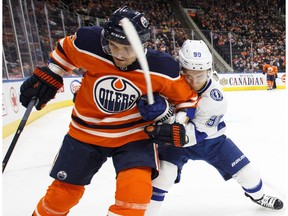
(256, 123)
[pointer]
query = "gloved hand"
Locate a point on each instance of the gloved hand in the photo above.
(159, 111)
(43, 85)
(173, 134)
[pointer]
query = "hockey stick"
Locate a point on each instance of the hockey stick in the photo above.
(18, 132)
(137, 46)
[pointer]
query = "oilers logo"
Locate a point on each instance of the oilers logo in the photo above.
(113, 94)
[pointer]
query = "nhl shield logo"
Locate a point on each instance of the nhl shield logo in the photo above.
(113, 94)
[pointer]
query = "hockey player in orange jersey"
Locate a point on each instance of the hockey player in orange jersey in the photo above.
(271, 72)
(105, 119)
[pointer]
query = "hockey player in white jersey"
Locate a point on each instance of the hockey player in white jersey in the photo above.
(205, 128)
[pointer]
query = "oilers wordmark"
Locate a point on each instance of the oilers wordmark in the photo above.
(114, 94)
(117, 101)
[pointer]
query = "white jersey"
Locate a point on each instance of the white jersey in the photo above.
(207, 122)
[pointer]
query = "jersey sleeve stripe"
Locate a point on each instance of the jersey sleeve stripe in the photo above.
(60, 49)
(62, 61)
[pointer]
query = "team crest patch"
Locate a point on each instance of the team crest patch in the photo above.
(216, 94)
(113, 94)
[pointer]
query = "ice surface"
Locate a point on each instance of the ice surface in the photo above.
(256, 123)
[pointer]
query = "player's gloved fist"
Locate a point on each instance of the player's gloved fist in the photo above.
(160, 110)
(173, 134)
(43, 85)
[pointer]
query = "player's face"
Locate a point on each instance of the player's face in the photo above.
(196, 79)
(123, 55)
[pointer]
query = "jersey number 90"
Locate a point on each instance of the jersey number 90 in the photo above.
(197, 54)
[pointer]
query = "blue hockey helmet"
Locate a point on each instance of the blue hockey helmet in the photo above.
(113, 30)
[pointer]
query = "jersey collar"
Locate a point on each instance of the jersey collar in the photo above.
(208, 84)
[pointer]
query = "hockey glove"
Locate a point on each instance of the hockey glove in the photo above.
(43, 84)
(173, 134)
(159, 111)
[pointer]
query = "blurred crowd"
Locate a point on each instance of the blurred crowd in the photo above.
(254, 29)
(159, 13)
(257, 32)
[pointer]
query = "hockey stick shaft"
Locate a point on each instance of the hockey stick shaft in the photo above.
(18, 132)
(137, 46)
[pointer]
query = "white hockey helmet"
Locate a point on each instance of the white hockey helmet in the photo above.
(195, 55)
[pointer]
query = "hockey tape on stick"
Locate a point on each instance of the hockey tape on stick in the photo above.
(137, 46)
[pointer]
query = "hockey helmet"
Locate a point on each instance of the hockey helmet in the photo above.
(195, 55)
(113, 30)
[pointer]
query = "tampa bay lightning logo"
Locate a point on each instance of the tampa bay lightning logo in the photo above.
(113, 94)
(216, 94)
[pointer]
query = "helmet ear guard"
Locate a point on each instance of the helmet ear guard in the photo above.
(195, 55)
(113, 30)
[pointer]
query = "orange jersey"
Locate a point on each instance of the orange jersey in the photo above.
(270, 70)
(265, 67)
(105, 111)
(275, 69)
